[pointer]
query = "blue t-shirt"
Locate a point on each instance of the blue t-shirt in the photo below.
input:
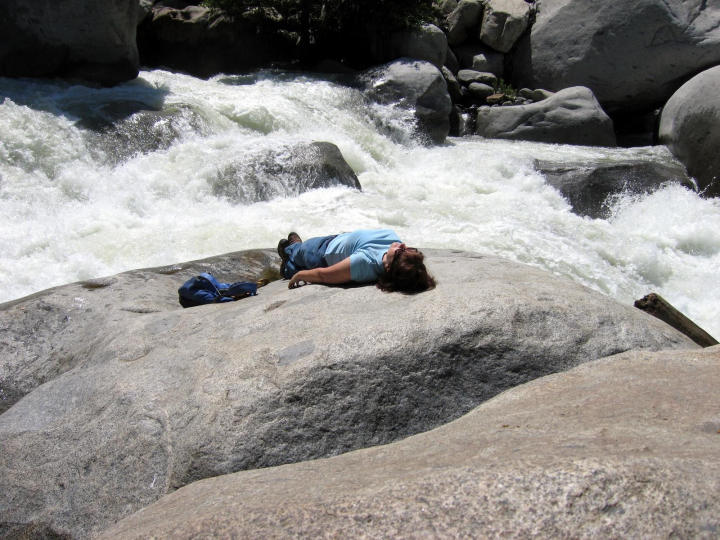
(366, 248)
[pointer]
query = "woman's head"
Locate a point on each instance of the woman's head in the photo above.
(405, 271)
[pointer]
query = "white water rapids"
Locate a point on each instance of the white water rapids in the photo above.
(78, 203)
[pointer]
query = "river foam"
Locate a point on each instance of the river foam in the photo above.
(89, 186)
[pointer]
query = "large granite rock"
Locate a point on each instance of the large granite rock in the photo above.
(117, 396)
(464, 21)
(690, 127)
(417, 85)
(623, 447)
(93, 41)
(427, 43)
(590, 186)
(633, 55)
(503, 22)
(571, 116)
(283, 172)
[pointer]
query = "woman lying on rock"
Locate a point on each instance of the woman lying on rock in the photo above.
(362, 256)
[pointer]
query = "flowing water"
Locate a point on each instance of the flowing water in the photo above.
(87, 188)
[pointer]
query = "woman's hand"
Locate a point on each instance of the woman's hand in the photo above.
(298, 280)
(335, 274)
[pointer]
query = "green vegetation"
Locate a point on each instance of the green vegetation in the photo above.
(502, 87)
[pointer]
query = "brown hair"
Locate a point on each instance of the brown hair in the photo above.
(407, 274)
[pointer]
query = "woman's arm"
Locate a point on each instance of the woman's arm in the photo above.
(337, 273)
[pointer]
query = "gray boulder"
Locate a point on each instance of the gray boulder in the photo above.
(633, 55)
(503, 22)
(537, 94)
(117, 396)
(283, 172)
(590, 187)
(467, 76)
(571, 116)
(489, 61)
(480, 90)
(447, 6)
(92, 41)
(623, 447)
(690, 127)
(464, 21)
(427, 43)
(453, 85)
(417, 85)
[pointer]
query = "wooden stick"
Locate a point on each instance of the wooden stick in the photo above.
(656, 305)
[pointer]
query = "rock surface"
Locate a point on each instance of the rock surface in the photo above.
(118, 396)
(92, 41)
(690, 127)
(588, 185)
(623, 447)
(571, 116)
(427, 43)
(632, 55)
(417, 85)
(463, 21)
(283, 172)
(503, 22)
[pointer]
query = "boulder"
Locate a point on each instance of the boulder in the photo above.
(503, 22)
(534, 95)
(633, 56)
(427, 43)
(91, 41)
(489, 62)
(453, 85)
(283, 172)
(447, 6)
(690, 127)
(203, 42)
(417, 85)
(463, 21)
(480, 91)
(116, 396)
(451, 61)
(590, 187)
(571, 116)
(623, 447)
(468, 76)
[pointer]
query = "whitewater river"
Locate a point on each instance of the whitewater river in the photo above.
(82, 197)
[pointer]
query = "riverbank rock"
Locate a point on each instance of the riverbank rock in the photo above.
(116, 396)
(690, 127)
(463, 21)
(417, 85)
(633, 56)
(571, 116)
(589, 187)
(626, 446)
(503, 22)
(76, 39)
(427, 43)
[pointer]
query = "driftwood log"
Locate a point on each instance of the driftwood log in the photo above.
(657, 306)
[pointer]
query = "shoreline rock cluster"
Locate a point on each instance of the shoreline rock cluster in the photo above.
(114, 396)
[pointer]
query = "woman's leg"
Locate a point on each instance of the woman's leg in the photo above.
(306, 255)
